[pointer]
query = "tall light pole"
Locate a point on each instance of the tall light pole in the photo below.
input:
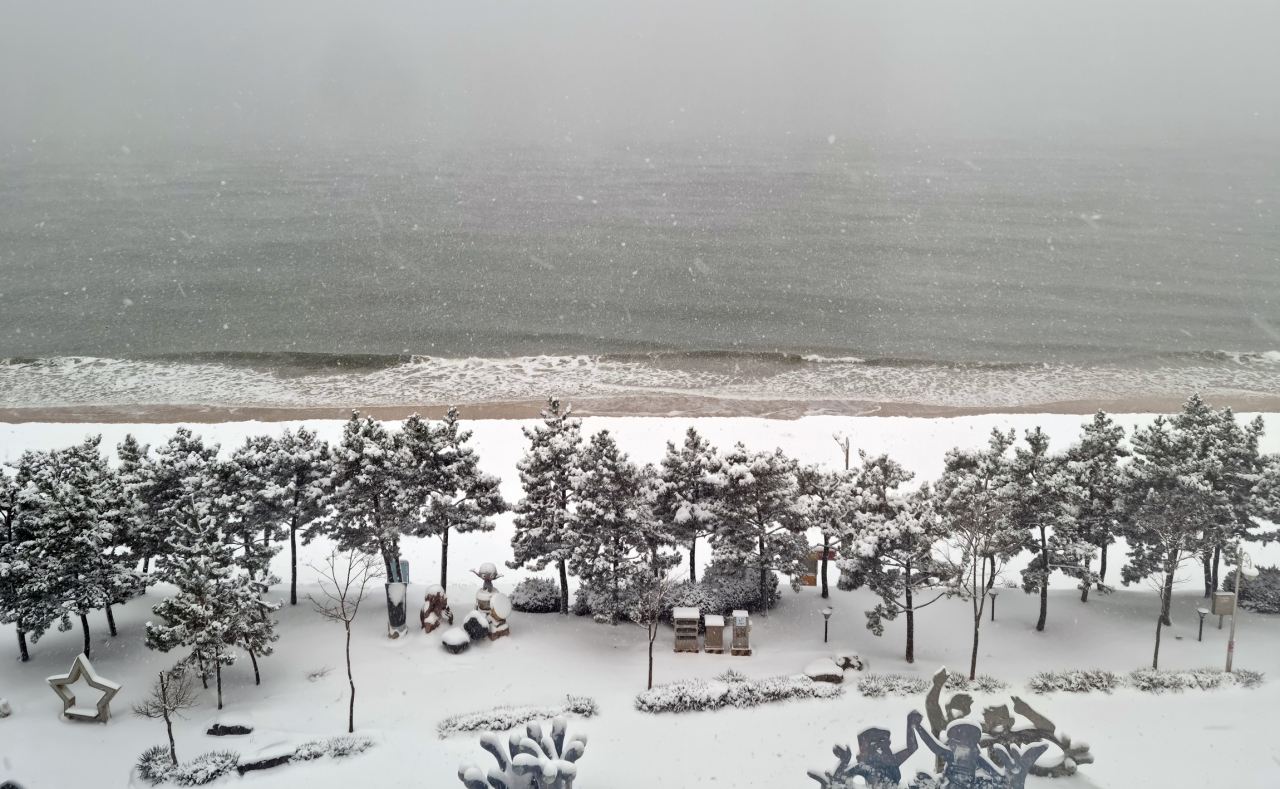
(1245, 568)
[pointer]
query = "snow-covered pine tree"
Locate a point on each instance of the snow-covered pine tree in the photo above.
(971, 497)
(367, 504)
(1094, 487)
(446, 489)
(296, 477)
(611, 526)
(760, 515)
(77, 511)
(28, 579)
(253, 525)
(542, 531)
(146, 534)
(1037, 509)
(212, 606)
(685, 493)
(1168, 499)
(889, 547)
(831, 498)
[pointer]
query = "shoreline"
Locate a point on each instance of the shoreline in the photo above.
(673, 406)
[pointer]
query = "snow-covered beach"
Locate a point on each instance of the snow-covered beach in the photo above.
(406, 686)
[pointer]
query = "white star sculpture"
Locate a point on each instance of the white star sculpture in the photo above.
(61, 685)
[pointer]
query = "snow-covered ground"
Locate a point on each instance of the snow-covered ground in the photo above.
(404, 687)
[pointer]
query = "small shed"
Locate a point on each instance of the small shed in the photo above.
(714, 639)
(809, 575)
(741, 639)
(686, 621)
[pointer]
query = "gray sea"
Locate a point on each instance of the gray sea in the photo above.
(969, 274)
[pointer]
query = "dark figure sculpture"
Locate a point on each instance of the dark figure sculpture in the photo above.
(1017, 766)
(961, 756)
(877, 764)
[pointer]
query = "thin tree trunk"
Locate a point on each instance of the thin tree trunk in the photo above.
(693, 560)
(613, 612)
(168, 723)
(351, 708)
(826, 543)
(257, 678)
(1217, 557)
(1155, 659)
(22, 643)
(911, 621)
(84, 625)
(1168, 595)
(564, 589)
(386, 559)
(991, 582)
(217, 670)
(1044, 582)
(764, 596)
(111, 621)
(1102, 568)
(650, 662)
(973, 658)
(1206, 559)
(293, 561)
(1084, 587)
(444, 558)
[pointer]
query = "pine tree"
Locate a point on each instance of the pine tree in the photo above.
(368, 507)
(77, 511)
(446, 489)
(761, 516)
(830, 497)
(889, 546)
(542, 530)
(28, 579)
(685, 494)
(972, 499)
(612, 525)
(1037, 510)
(295, 472)
(1094, 488)
(146, 533)
(1168, 500)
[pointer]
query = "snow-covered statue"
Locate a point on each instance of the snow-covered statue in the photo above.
(877, 763)
(487, 573)
(494, 604)
(528, 760)
(435, 609)
(963, 764)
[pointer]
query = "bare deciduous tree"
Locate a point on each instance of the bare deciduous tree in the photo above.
(172, 693)
(649, 611)
(344, 582)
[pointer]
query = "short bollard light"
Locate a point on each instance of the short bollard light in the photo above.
(1203, 612)
(826, 620)
(993, 593)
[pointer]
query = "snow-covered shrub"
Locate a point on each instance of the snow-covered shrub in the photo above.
(1248, 679)
(985, 683)
(311, 750)
(348, 745)
(734, 690)
(536, 596)
(877, 685)
(205, 768)
(1075, 681)
(1261, 595)
(154, 765)
(504, 718)
(1158, 681)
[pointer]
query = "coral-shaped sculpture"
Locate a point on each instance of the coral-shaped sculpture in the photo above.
(435, 609)
(528, 760)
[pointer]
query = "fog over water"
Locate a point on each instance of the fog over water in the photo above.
(967, 203)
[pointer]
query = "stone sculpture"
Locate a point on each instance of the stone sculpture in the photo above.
(435, 609)
(961, 754)
(877, 764)
(62, 683)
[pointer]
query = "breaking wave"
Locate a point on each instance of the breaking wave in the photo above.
(306, 380)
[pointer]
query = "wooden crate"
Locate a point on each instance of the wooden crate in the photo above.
(741, 646)
(686, 621)
(714, 638)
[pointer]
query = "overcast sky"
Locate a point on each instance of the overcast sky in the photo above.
(550, 70)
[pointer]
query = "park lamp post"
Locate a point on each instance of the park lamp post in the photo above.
(992, 592)
(826, 620)
(1243, 568)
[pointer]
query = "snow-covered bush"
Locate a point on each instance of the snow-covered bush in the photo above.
(1248, 679)
(154, 765)
(985, 683)
(347, 745)
(205, 768)
(1261, 595)
(504, 718)
(1158, 681)
(1075, 681)
(877, 685)
(311, 750)
(536, 596)
(722, 590)
(731, 690)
